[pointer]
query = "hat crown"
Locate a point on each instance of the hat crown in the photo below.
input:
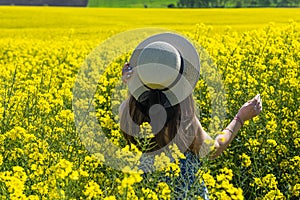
(158, 65)
(167, 62)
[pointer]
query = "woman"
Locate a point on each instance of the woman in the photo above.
(161, 76)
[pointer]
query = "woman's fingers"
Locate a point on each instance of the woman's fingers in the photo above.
(126, 72)
(255, 100)
(251, 108)
(125, 68)
(258, 104)
(126, 76)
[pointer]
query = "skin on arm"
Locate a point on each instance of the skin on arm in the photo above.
(249, 110)
(203, 142)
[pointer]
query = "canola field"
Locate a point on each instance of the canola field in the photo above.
(43, 154)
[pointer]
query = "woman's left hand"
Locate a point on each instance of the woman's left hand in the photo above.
(250, 109)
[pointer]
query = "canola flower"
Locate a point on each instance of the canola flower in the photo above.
(42, 156)
(255, 63)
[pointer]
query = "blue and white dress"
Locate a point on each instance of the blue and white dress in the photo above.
(187, 185)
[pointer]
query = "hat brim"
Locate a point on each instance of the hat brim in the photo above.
(189, 77)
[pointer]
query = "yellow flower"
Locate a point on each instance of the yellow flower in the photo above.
(1, 160)
(221, 177)
(253, 144)
(83, 173)
(149, 194)
(246, 161)
(269, 181)
(281, 149)
(296, 143)
(92, 190)
(274, 194)
(271, 125)
(163, 191)
(227, 172)
(33, 197)
(110, 198)
(176, 153)
(130, 179)
(41, 187)
(296, 190)
(161, 161)
(209, 180)
(172, 169)
(271, 142)
(15, 182)
(295, 163)
(63, 168)
(74, 175)
(145, 128)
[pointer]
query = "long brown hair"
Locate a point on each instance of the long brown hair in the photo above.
(180, 128)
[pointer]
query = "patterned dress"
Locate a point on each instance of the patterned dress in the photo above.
(187, 185)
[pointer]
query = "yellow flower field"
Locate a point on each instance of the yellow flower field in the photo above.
(43, 154)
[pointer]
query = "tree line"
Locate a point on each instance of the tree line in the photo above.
(82, 3)
(236, 3)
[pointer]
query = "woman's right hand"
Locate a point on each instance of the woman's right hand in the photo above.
(126, 72)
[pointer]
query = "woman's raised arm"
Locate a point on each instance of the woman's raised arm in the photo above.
(249, 110)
